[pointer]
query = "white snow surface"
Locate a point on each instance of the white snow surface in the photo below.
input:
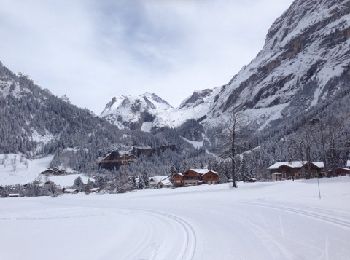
(195, 144)
(281, 220)
(68, 180)
(154, 180)
(21, 174)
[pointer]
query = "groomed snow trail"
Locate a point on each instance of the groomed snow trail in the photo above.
(279, 221)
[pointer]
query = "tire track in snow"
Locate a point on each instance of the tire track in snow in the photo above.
(312, 214)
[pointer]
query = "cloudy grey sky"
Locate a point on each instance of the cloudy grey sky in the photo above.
(93, 50)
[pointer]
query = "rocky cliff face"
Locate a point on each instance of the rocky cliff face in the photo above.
(305, 61)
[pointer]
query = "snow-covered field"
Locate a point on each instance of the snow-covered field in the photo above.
(15, 169)
(284, 220)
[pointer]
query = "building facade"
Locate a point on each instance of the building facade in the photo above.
(296, 170)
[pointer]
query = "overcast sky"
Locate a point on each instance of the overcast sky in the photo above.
(93, 50)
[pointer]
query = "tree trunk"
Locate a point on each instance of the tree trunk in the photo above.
(233, 154)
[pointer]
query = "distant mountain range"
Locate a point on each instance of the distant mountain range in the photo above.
(148, 111)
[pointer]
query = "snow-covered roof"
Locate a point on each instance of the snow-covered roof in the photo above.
(70, 190)
(14, 195)
(319, 164)
(294, 165)
(124, 152)
(163, 179)
(202, 171)
(143, 147)
(289, 164)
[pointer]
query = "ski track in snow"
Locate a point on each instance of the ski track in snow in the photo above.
(318, 215)
(189, 242)
(207, 222)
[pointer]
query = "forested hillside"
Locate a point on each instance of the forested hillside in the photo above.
(35, 122)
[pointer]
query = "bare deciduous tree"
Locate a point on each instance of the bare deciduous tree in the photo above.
(231, 143)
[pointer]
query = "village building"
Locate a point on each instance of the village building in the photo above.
(115, 159)
(139, 151)
(14, 195)
(338, 172)
(210, 177)
(192, 177)
(70, 191)
(177, 180)
(195, 177)
(296, 170)
(159, 182)
(94, 190)
(53, 172)
(148, 151)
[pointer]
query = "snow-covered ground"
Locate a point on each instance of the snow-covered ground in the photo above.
(68, 180)
(16, 169)
(282, 220)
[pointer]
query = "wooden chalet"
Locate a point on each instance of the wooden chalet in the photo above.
(192, 177)
(148, 151)
(296, 170)
(114, 160)
(14, 195)
(338, 172)
(211, 177)
(195, 177)
(177, 179)
(53, 172)
(70, 191)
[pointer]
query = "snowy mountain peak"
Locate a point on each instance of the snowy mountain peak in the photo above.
(149, 111)
(144, 102)
(127, 111)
